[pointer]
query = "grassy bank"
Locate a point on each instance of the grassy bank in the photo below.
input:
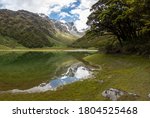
(128, 73)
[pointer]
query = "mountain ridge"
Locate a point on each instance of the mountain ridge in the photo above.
(33, 30)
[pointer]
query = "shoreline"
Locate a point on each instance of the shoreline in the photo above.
(48, 50)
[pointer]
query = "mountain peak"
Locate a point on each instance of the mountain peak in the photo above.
(71, 23)
(67, 27)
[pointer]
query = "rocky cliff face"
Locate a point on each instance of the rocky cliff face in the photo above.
(67, 27)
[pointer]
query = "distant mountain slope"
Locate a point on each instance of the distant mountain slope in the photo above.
(31, 30)
(67, 27)
(93, 40)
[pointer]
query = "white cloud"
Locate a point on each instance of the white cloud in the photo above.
(83, 11)
(81, 22)
(57, 5)
(49, 6)
(37, 6)
(55, 8)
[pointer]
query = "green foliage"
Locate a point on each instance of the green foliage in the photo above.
(26, 28)
(9, 42)
(93, 40)
(127, 20)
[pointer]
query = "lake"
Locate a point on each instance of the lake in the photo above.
(70, 76)
(33, 72)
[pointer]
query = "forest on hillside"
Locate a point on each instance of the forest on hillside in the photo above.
(127, 20)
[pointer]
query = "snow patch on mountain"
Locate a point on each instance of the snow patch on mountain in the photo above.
(67, 27)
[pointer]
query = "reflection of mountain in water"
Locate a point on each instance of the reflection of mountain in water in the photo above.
(75, 72)
(23, 70)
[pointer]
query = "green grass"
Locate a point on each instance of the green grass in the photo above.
(65, 38)
(86, 90)
(128, 73)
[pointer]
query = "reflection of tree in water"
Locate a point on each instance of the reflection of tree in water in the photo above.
(22, 57)
(32, 68)
(33, 57)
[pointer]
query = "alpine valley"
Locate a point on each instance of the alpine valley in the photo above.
(42, 59)
(23, 29)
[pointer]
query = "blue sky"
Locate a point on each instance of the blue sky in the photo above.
(75, 11)
(67, 16)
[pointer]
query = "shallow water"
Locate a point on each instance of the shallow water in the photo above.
(39, 72)
(72, 75)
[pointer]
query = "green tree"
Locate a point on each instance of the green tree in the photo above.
(127, 19)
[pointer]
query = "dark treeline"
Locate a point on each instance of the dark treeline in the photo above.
(128, 20)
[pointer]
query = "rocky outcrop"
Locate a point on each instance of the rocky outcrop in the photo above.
(115, 94)
(68, 27)
(149, 95)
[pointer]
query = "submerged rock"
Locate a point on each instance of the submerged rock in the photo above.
(115, 94)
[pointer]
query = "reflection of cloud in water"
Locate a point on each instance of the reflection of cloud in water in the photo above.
(74, 73)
